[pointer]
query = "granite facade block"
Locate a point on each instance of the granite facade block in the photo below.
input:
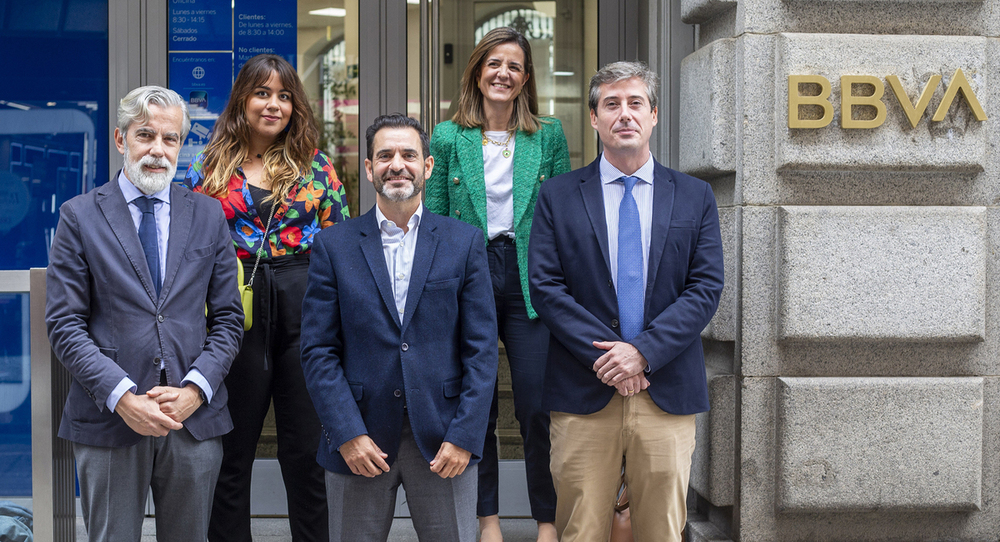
(760, 520)
(959, 143)
(879, 443)
(712, 474)
(699, 11)
(722, 327)
(883, 273)
(761, 110)
(708, 93)
(901, 17)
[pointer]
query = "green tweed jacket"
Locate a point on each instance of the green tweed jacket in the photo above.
(457, 186)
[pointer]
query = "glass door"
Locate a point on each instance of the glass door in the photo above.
(563, 38)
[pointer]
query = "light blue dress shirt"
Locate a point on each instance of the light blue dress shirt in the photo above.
(161, 209)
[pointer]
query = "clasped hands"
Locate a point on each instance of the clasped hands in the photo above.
(621, 366)
(365, 458)
(161, 410)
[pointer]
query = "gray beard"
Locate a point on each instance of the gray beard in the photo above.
(149, 183)
(399, 195)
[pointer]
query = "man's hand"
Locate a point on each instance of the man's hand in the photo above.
(177, 403)
(632, 385)
(364, 456)
(621, 361)
(450, 461)
(142, 414)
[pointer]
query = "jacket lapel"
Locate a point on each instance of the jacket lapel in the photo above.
(470, 157)
(423, 255)
(593, 202)
(663, 206)
(371, 246)
(181, 216)
(527, 158)
(115, 209)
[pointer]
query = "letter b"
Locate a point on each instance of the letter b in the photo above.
(795, 100)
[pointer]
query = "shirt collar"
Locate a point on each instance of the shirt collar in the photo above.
(414, 220)
(131, 192)
(610, 173)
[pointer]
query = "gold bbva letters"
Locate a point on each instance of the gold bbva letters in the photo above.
(848, 101)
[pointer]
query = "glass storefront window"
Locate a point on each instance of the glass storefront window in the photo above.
(53, 128)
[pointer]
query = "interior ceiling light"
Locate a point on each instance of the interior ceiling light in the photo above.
(330, 12)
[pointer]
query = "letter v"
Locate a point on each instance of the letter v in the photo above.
(913, 112)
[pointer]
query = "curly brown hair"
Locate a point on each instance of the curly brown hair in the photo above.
(291, 154)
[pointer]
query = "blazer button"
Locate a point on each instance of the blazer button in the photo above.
(156, 361)
(541, 178)
(458, 213)
(159, 318)
(611, 284)
(405, 347)
(455, 180)
(397, 393)
(614, 323)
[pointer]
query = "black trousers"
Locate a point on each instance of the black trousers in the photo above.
(268, 367)
(526, 342)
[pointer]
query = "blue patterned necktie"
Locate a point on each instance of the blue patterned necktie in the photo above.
(630, 291)
(147, 236)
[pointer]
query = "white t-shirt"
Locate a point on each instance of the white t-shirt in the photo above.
(498, 171)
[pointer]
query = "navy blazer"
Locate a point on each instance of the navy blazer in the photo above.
(361, 362)
(105, 321)
(572, 289)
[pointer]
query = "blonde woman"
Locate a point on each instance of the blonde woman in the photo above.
(490, 160)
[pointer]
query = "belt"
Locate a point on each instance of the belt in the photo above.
(502, 240)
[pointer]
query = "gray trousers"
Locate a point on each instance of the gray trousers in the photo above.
(114, 482)
(443, 510)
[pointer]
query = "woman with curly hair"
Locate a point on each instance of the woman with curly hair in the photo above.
(277, 191)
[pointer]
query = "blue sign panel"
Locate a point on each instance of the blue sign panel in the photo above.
(264, 27)
(205, 55)
(201, 25)
(203, 79)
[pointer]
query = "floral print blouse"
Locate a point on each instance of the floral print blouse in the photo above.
(317, 202)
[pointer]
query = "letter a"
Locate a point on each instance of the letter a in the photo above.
(959, 82)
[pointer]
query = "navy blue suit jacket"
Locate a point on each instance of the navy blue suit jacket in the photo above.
(361, 362)
(106, 322)
(572, 289)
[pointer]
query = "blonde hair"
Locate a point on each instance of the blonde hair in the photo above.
(291, 154)
(470, 112)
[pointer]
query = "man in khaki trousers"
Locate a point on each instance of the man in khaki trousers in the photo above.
(625, 268)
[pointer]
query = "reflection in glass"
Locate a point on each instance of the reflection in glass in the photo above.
(53, 128)
(328, 66)
(15, 405)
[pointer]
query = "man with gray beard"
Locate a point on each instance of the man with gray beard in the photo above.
(399, 346)
(142, 308)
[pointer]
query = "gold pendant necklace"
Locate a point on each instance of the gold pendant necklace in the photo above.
(506, 152)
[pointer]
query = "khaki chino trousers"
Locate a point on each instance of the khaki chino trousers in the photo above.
(588, 452)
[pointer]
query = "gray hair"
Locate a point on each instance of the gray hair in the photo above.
(620, 71)
(134, 107)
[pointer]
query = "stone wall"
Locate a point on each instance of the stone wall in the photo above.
(853, 362)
